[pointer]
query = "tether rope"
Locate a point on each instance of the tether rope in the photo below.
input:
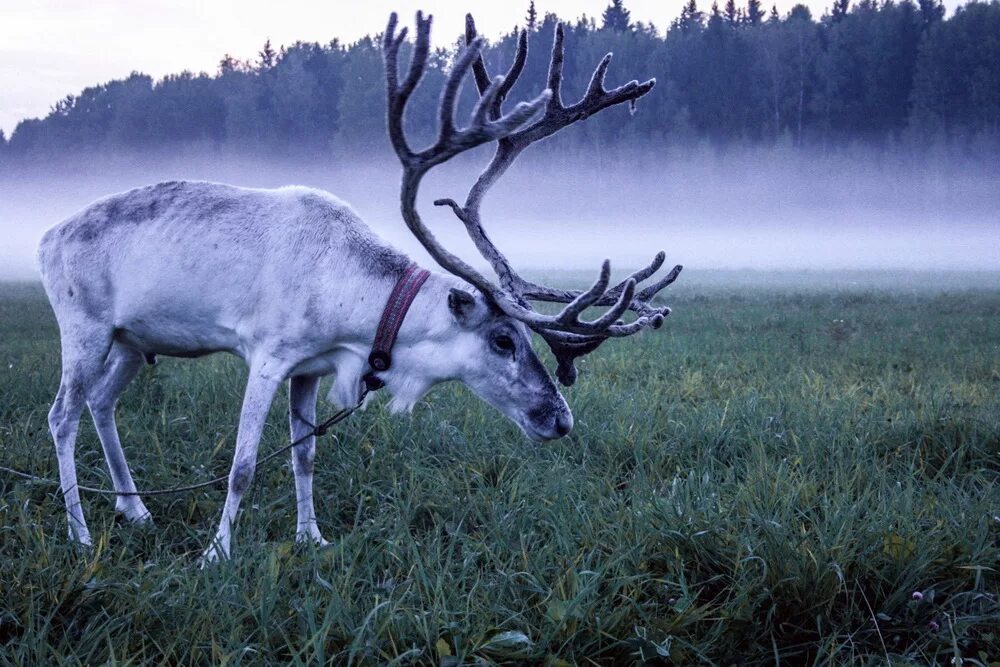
(318, 430)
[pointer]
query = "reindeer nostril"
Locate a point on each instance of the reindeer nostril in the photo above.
(564, 424)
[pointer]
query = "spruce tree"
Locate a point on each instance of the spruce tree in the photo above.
(732, 15)
(531, 18)
(228, 64)
(266, 57)
(690, 18)
(616, 17)
(755, 13)
(931, 11)
(839, 10)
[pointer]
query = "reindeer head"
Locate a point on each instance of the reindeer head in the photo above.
(568, 336)
(494, 358)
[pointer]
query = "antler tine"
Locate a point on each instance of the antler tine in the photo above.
(624, 301)
(571, 313)
(421, 49)
(451, 141)
(455, 207)
(643, 273)
(397, 95)
(556, 68)
(595, 99)
(514, 73)
(651, 291)
(485, 103)
(596, 86)
(482, 75)
(450, 95)
(390, 47)
(479, 72)
(653, 267)
(608, 324)
(536, 292)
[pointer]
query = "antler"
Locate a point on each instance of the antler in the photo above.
(567, 334)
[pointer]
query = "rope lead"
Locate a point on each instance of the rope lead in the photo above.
(318, 430)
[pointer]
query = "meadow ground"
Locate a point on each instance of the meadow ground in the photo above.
(803, 468)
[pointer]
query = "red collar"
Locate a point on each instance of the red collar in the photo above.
(399, 302)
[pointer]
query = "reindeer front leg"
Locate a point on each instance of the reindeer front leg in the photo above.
(302, 393)
(261, 387)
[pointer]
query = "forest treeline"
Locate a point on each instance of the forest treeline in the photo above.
(889, 71)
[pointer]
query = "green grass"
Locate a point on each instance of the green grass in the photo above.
(772, 476)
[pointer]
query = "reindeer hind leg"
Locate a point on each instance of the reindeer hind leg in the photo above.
(85, 345)
(120, 368)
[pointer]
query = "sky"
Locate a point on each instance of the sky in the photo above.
(53, 48)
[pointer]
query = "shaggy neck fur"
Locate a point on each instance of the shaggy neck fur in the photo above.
(430, 348)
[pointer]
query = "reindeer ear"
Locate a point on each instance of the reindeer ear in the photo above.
(462, 306)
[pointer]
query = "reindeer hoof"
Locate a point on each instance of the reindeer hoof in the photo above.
(304, 537)
(132, 510)
(81, 542)
(213, 554)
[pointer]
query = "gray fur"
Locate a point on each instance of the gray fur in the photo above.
(292, 281)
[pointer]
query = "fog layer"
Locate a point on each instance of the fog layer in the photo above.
(755, 208)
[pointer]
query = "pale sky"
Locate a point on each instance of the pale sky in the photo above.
(52, 48)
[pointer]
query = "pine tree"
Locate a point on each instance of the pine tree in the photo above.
(228, 64)
(616, 17)
(732, 15)
(839, 10)
(267, 56)
(690, 18)
(774, 17)
(931, 11)
(531, 18)
(755, 13)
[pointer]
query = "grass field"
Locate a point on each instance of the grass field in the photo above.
(779, 474)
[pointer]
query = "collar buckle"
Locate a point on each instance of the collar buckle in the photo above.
(402, 296)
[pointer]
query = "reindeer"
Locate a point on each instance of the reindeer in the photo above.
(293, 282)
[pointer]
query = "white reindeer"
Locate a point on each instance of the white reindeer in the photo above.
(294, 283)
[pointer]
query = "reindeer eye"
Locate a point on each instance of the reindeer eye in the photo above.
(503, 344)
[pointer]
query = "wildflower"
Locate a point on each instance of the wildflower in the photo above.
(917, 595)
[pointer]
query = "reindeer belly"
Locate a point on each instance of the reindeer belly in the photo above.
(153, 343)
(174, 339)
(179, 328)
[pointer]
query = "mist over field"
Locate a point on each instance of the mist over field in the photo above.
(738, 208)
(858, 136)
